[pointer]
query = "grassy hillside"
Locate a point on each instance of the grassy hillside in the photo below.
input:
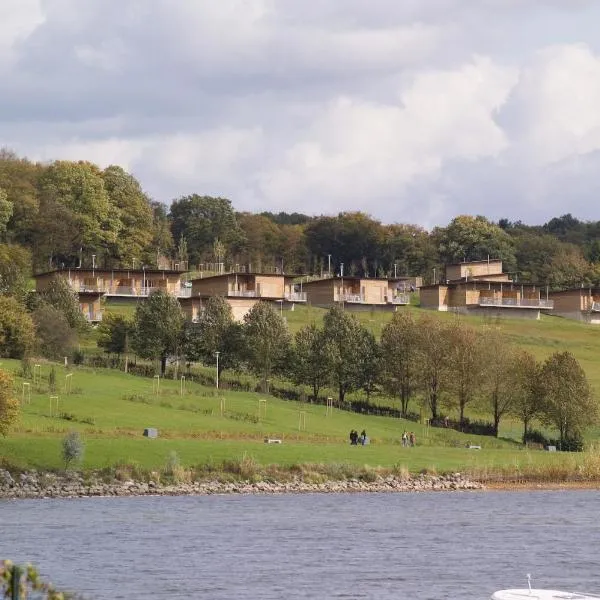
(111, 410)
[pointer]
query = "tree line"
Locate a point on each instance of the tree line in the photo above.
(441, 367)
(74, 213)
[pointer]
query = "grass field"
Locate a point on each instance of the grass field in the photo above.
(111, 410)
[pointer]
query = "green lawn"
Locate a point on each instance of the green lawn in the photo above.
(111, 410)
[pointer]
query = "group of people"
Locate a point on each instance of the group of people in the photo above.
(356, 439)
(408, 439)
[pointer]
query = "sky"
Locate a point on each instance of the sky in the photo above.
(413, 111)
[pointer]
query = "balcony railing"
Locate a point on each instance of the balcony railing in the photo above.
(399, 299)
(243, 293)
(184, 293)
(82, 289)
(517, 302)
(595, 306)
(354, 298)
(296, 296)
(93, 317)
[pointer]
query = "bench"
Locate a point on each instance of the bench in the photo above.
(272, 441)
(473, 447)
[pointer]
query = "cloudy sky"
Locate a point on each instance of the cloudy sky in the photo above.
(411, 110)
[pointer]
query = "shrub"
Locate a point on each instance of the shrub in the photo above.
(72, 448)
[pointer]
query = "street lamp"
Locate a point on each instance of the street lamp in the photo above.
(217, 355)
(280, 307)
(329, 265)
(394, 270)
(93, 261)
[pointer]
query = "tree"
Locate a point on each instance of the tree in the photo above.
(60, 295)
(55, 338)
(568, 401)
(526, 377)
(134, 211)
(114, 333)
(475, 238)
(216, 331)
(202, 220)
(499, 386)
(433, 355)
(15, 269)
(72, 448)
(157, 327)
(311, 358)
(400, 358)
(343, 334)
(16, 329)
(465, 363)
(267, 339)
(9, 405)
(79, 187)
(6, 211)
(369, 362)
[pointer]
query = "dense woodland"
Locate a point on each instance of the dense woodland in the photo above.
(63, 213)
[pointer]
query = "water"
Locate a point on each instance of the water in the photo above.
(427, 546)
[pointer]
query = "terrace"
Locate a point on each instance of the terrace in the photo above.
(295, 296)
(595, 306)
(516, 302)
(399, 299)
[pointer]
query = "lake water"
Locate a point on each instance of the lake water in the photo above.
(428, 546)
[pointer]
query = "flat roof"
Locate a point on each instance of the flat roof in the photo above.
(456, 282)
(474, 262)
(354, 278)
(240, 274)
(102, 270)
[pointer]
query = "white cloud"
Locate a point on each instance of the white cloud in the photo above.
(412, 111)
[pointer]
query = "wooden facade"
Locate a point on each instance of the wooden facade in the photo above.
(581, 304)
(357, 292)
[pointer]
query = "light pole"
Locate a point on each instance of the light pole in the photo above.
(434, 282)
(329, 265)
(93, 261)
(280, 307)
(395, 270)
(217, 355)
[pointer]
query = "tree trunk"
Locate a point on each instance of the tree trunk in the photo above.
(341, 393)
(163, 365)
(525, 429)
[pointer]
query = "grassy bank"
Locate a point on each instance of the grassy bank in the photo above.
(214, 433)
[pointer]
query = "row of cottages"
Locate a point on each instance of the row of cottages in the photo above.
(581, 304)
(244, 290)
(481, 287)
(93, 284)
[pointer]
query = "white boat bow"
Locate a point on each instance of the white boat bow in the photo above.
(533, 594)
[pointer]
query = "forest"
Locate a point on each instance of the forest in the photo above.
(74, 213)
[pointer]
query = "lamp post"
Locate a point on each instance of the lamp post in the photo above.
(395, 270)
(93, 261)
(329, 265)
(217, 355)
(280, 307)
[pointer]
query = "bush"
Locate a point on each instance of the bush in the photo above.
(72, 448)
(78, 357)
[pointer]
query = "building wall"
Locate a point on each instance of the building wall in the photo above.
(270, 286)
(374, 291)
(470, 269)
(570, 300)
(320, 293)
(504, 313)
(210, 286)
(241, 306)
(435, 298)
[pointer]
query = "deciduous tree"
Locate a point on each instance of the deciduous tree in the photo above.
(16, 329)
(568, 402)
(400, 358)
(157, 327)
(9, 405)
(311, 358)
(526, 377)
(343, 334)
(268, 340)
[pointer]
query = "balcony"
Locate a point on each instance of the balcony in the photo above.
(185, 292)
(95, 317)
(88, 289)
(242, 293)
(399, 299)
(537, 303)
(595, 306)
(352, 298)
(296, 296)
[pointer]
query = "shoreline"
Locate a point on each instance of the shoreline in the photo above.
(34, 485)
(43, 485)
